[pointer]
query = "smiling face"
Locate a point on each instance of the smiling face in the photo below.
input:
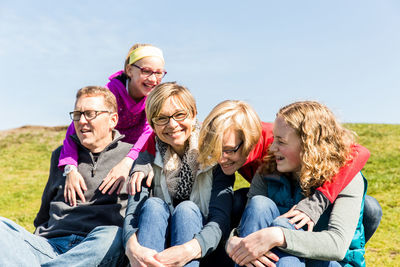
(286, 147)
(94, 134)
(140, 85)
(174, 133)
(230, 161)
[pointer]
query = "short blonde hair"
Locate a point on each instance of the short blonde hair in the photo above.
(109, 98)
(326, 144)
(228, 115)
(157, 97)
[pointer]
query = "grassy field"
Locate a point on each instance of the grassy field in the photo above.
(25, 158)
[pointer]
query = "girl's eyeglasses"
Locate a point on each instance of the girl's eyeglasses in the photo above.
(148, 72)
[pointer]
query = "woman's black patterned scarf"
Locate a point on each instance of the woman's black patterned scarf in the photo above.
(180, 173)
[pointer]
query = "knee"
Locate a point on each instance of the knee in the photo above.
(110, 232)
(282, 222)
(261, 204)
(260, 209)
(4, 222)
(187, 209)
(155, 206)
(9, 226)
(372, 216)
(372, 209)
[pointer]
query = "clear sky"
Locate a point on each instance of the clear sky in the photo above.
(345, 54)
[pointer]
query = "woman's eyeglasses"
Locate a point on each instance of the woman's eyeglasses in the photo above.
(177, 116)
(230, 152)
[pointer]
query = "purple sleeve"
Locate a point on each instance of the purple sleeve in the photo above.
(137, 147)
(69, 151)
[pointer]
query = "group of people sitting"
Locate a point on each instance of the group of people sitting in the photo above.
(140, 181)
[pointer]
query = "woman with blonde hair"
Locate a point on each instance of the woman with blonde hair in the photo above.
(309, 148)
(143, 70)
(233, 135)
(188, 211)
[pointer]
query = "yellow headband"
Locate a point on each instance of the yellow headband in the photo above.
(145, 51)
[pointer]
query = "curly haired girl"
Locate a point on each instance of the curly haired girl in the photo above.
(309, 147)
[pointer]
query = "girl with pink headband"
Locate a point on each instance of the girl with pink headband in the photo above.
(143, 71)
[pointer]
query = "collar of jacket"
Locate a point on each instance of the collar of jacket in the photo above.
(116, 137)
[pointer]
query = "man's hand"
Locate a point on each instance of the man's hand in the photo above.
(74, 184)
(135, 182)
(299, 218)
(116, 178)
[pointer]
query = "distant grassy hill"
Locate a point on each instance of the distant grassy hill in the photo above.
(25, 157)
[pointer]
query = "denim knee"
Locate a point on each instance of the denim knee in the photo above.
(372, 209)
(106, 231)
(186, 221)
(8, 224)
(258, 214)
(282, 222)
(187, 208)
(262, 204)
(155, 205)
(12, 227)
(372, 216)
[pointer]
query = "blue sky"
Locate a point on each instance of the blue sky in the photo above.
(345, 54)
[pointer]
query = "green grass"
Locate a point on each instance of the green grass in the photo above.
(24, 164)
(25, 158)
(383, 174)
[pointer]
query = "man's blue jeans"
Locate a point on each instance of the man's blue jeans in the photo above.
(101, 247)
(159, 229)
(261, 212)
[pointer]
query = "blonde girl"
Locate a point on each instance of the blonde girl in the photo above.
(143, 71)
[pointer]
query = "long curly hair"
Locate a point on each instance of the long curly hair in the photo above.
(326, 144)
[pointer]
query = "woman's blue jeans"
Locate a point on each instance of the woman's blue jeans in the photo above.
(261, 212)
(159, 229)
(371, 219)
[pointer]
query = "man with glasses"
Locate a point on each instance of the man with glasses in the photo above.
(89, 233)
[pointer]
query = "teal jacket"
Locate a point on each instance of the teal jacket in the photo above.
(286, 195)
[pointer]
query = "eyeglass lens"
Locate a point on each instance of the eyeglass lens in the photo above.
(163, 120)
(89, 114)
(148, 72)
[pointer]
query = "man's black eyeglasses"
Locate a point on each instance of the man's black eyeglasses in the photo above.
(89, 114)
